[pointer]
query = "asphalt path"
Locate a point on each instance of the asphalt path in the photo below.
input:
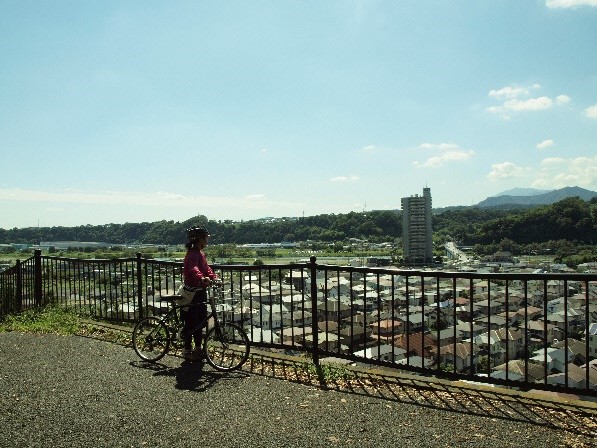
(73, 391)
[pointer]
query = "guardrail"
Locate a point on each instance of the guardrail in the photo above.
(515, 329)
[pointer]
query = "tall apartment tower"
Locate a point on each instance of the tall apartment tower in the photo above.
(417, 232)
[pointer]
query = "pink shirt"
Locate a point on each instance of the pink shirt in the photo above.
(195, 268)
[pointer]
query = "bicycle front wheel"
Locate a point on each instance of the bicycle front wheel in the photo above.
(151, 339)
(226, 347)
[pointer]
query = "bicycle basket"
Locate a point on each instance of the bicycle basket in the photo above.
(186, 294)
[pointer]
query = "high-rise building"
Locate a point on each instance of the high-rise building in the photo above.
(417, 231)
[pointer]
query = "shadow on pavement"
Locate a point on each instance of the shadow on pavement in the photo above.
(578, 419)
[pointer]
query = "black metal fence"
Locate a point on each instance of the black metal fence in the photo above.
(515, 329)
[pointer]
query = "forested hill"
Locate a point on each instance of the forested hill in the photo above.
(571, 219)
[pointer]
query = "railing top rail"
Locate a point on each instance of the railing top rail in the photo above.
(90, 260)
(404, 272)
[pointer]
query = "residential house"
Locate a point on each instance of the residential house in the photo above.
(354, 337)
(413, 322)
(382, 352)
(468, 330)
(487, 307)
(365, 304)
(492, 322)
(565, 323)
(326, 341)
(419, 344)
(258, 335)
(387, 329)
(555, 288)
(444, 337)
(442, 311)
(577, 377)
(519, 370)
(526, 314)
(270, 317)
(577, 347)
(540, 331)
(554, 358)
(339, 290)
(513, 301)
(294, 335)
(459, 357)
(334, 309)
(296, 302)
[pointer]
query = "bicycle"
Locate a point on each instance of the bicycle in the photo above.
(225, 345)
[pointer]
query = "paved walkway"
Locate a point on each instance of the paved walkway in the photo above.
(71, 391)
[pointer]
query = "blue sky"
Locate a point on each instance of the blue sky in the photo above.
(132, 111)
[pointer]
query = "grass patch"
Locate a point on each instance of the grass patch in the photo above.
(57, 320)
(335, 373)
(43, 320)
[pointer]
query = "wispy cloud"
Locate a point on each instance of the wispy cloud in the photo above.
(369, 148)
(443, 153)
(513, 91)
(344, 179)
(559, 172)
(151, 199)
(552, 172)
(256, 197)
(562, 99)
(505, 170)
(569, 3)
(591, 112)
(518, 99)
(545, 144)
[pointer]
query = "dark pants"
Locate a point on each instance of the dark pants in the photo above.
(192, 317)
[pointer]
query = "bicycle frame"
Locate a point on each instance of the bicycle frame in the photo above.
(174, 321)
(225, 345)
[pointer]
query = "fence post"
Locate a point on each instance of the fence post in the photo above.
(37, 280)
(315, 319)
(19, 286)
(139, 286)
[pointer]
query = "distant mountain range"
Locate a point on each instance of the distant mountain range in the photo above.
(531, 196)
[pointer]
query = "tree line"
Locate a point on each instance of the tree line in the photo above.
(572, 220)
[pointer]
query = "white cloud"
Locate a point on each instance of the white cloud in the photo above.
(369, 148)
(569, 3)
(150, 199)
(256, 197)
(558, 172)
(439, 146)
(448, 152)
(505, 170)
(518, 99)
(539, 103)
(553, 161)
(513, 91)
(344, 179)
(591, 112)
(545, 144)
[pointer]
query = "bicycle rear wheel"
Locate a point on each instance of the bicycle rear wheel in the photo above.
(226, 347)
(151, 339)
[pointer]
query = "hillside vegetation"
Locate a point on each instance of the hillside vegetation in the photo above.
(569, 225)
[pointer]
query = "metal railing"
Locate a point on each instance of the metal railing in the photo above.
(515, 329)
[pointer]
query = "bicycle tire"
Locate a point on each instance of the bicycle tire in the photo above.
(151, 339)
(226, 347)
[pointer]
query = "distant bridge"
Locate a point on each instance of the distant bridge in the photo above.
(455, 254)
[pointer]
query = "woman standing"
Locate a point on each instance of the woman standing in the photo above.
(197, 274)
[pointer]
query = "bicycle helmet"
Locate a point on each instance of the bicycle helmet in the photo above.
(195, 233)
